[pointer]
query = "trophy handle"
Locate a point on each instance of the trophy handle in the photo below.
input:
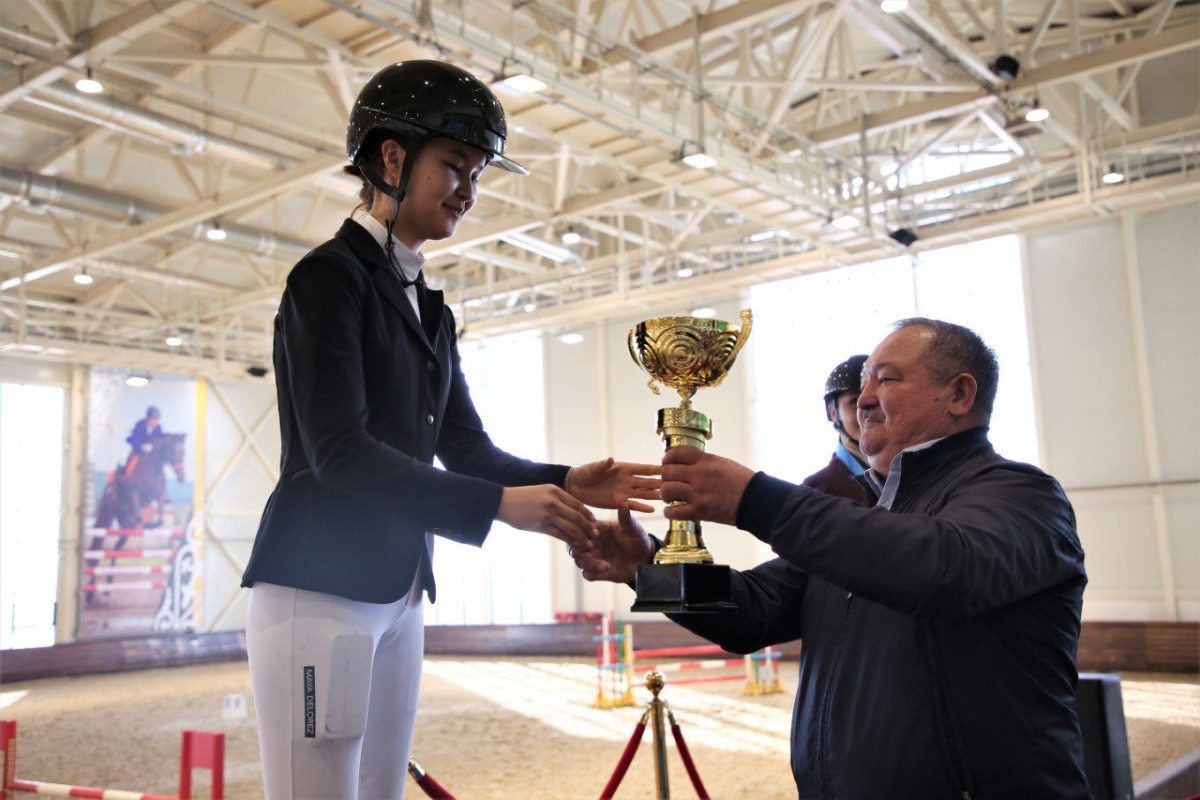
(747, 318)
(633, 353)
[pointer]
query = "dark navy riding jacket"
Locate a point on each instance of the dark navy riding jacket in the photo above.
(368, 395)
(938, 638)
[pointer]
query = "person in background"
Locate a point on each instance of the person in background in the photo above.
(370, 390)
(842, 388)
(939, 623)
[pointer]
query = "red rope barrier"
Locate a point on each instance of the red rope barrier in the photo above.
(428, 785)
(688, 764)
(433, 788)
(618, 775)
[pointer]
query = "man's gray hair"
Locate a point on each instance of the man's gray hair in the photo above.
(955, 349)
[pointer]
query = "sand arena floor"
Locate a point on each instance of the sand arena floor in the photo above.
(486, 729)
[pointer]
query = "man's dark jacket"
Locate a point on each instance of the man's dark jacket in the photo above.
(939, 638)
(367, 397)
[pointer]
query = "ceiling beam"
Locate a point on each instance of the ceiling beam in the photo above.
(109, 36)
(1175, 40)
(257, 191)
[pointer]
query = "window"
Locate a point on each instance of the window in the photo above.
(31, 454)
(805, 326)
(507, 581)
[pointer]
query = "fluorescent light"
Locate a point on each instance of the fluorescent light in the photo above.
(215, 234)
(137, 381)
(700, 161)
(685, 272)
(571, 338)
(842, 222)
(762, 236)
(1113, 175)
(89, 85)
(523, 83)
(893, 6)
(539, 247)
(174, 341)
(704, 313)
(1037, 114)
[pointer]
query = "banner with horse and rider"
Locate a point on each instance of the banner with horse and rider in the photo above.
(141, 559)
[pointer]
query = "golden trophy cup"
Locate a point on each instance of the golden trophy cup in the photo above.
(686, 354)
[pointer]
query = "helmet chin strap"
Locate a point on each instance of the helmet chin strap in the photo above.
(838, 426)
(397, 194)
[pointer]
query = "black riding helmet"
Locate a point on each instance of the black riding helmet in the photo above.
(420, 99)
(846, 377)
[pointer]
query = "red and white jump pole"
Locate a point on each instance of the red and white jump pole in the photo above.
(200, 750)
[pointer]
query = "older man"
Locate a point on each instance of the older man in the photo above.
(939, 625)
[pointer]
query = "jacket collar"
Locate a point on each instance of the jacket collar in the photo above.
(920, 468)
(374, 261)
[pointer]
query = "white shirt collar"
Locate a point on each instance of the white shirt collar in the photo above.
(410, 261)
(887, 488)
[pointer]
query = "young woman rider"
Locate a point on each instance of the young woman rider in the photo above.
(370, 390)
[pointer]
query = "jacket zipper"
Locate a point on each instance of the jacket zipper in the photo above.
(955, 754)
(826, 705)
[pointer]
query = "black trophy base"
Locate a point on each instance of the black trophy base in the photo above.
(684, 589)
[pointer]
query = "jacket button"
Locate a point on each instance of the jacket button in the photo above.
(429, 418)
(431, 366)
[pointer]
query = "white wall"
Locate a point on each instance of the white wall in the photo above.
(241, 467)
(1115, 333)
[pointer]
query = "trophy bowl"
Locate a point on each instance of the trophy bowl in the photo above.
(687, 353)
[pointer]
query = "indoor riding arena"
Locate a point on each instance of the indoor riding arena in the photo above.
(624, 399)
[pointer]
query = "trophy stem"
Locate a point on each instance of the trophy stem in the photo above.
(684, 543)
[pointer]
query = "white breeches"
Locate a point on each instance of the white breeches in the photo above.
(335, 689)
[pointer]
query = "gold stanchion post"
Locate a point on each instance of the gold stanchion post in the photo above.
(655, 682)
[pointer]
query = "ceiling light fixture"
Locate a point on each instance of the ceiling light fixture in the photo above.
(88, 84)
(215, 234)
(1037, 113)
(530, 308)
(840, 222)
(693, 155)
(904, 236)
(685, 272)
(519, 78)
(82, 278)
(893, 6)
(1113, 175)
(524, 83)
(137, 380)
(571, 338)
(174, 340)
(539, 247)
(571, 236)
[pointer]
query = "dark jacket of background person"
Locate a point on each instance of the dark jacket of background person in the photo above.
(938, 638)
(836, 479)
(367, 397)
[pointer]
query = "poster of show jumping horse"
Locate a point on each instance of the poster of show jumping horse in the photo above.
(141, 558)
